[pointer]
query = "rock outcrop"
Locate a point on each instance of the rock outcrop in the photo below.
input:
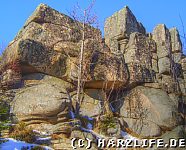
(119, 27)
(49, 43)
(142, 75)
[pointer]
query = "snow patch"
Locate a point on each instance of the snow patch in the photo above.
(13, 144)
(41, 133)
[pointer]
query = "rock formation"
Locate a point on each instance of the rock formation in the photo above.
(143, 73)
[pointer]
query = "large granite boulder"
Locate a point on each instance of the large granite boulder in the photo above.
(50, 43)
(44, 102)
(41, 99)
(120, 25)
(34, 44)
(138, 56)
(100, 67)
(149, 109)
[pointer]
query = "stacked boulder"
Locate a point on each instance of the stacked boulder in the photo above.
(155, 61)
(144, 73)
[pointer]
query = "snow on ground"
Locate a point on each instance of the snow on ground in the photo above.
(41, 133)
(12, 144)
(44, 139)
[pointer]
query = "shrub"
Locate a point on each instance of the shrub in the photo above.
(4, 116)
(107, 122)
(4, 125)
(23, 133)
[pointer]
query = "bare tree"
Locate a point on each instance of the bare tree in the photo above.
(84, 20)
(183, 34)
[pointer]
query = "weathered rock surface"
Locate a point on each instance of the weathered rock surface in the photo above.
(42, 102)
(146, 110)
(161, 36)
(177, 133)
(164, 65)
(143, 128)
(183, 63)
(175, 41)
(47, 101)
(142, 76)
(91, 104)
(138, 56)
(120, 25)
(49, 43)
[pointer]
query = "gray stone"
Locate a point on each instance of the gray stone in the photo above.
(130, 69)
(139, 74)
(161, 36)
(120, 25)
(142, 128)
(183, 64)
(81, 135)
(176, 133)
(164, 65)
(49, 43)
(168, 84)
(153, 85)
(182, 85)
(138, 56)
(91, 106)
(138, 49)
(177, 57)
(37, 57)
(150, 104)
(41, 101)
(175, 40)
(155, 65)
(175, 98)
(154, 56)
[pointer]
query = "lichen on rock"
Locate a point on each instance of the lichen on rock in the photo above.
(142, 76)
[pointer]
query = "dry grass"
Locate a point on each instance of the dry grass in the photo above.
(23, 133)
